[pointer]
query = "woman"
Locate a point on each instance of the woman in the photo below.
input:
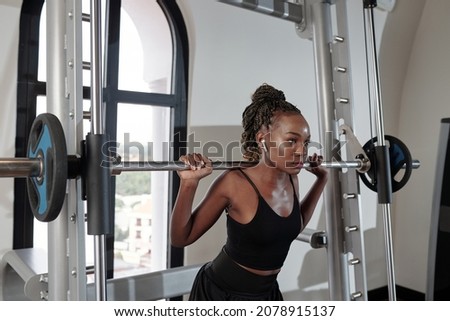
(264, 214)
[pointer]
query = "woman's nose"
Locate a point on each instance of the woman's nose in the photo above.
(302, 151)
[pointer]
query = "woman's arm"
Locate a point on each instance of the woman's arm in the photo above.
(309, 202)
(187, 226)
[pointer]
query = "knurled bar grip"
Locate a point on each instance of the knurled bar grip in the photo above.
(216, 165)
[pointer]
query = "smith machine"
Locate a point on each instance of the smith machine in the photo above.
(62, 173)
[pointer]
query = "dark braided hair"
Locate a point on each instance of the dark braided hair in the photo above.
(266, 101)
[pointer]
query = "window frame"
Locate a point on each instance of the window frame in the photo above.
(29, 88)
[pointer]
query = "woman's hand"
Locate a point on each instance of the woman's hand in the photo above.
(314, 166)
(200, 166)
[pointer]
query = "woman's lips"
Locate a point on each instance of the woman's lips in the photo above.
(297, 165)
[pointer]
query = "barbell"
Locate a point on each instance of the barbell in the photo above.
(32, 167)
(47, 166)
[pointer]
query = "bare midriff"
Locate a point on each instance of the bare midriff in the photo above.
(260, 272)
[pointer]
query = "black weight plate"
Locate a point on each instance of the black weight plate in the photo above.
(46, 193)
(399, 157)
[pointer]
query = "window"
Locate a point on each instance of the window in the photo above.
(145, 60)
(145, 99)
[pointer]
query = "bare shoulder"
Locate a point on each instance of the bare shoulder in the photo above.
(227, 183)
(226, 179)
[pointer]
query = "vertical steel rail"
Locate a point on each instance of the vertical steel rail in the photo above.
(58, 269)
(349, 180)
(76, 225)
(384, 175)
(97, 129)
(337, 271)
(96, 69)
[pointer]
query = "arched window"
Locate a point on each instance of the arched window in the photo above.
(146, 55)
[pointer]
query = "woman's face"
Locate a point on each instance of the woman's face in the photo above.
(287, 142)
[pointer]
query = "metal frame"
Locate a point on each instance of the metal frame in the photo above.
(344, 235)
(338, 274)
(57, 104)
(27, 278)
(351, 207)
(76, 223)
(67, 264)
(280, 9)
(64, 95)
(97, 130)
(341, 195)
(382, 152)
(165, 284)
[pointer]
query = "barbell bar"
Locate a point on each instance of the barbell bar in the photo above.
(47, 166)
(33, 167)
(223, 165)
(21, 167)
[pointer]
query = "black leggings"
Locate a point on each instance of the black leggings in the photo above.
(224, 280)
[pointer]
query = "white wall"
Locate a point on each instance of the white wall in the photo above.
(9, 24)
(423, 102)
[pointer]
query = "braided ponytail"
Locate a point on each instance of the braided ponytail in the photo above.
(266, 101)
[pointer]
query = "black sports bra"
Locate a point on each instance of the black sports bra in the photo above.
(264, 242)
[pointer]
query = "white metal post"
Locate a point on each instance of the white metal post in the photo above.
(76, 211)
(337, 259)
(383, 177)
(57, 104)
(97, 127)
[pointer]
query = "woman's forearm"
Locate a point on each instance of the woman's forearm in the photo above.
(311, 199)
(181, 220)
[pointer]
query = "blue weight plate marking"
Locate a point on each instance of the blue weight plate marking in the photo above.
(47, 193)
(43, 146)
(399, 155)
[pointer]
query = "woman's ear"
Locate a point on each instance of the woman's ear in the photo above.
(261, 135)
(260, 138)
